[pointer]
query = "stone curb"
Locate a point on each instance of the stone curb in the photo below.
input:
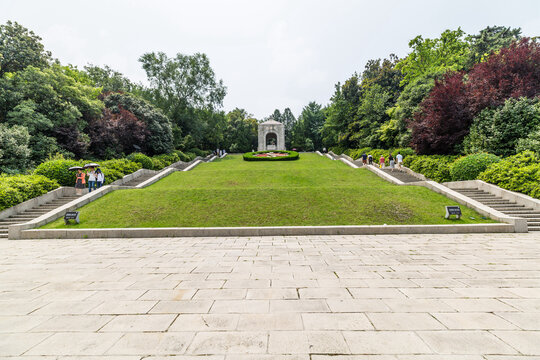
(264, 231)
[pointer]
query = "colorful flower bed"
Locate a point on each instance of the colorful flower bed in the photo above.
(276, 155)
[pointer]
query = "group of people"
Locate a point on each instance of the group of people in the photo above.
(368, 159)
(96, 178)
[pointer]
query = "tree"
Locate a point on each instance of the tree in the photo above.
(20, 48)
(444, 117)
(109, 79)
(370, 116)
(513, 72)
(498, 131)
(117, 133)
(490, 40)
(288, 120)
(180, 85)
(449, 52)
(14, 151)
(159, 139)
(313, 119)
(241, 133)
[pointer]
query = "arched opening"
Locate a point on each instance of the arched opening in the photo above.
(271, 141)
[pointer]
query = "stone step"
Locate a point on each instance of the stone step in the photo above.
(9, 223)
(529, 216)
(512, 207)
(533, 223)
(534, 228)
(497, 202)
(524, 212)
(485, 197)
(21, 218)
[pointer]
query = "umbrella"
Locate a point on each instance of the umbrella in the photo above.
(94, 165)
(76, 168)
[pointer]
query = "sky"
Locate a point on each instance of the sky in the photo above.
(270, 54)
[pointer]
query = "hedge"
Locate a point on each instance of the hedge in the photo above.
(58, 169)
(16, 189)
(145, 161)
(250, 156)
(470, 166)
(519, 173)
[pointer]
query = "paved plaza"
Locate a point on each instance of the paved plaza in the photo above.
(421, 297)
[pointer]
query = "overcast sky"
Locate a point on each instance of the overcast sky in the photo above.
(270, 54)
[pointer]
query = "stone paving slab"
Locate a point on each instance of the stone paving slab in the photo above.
(379, 297)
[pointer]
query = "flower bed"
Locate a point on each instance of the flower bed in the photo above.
(276, 155)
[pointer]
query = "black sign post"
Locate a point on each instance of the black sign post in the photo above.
(71, 215)
(452, 210)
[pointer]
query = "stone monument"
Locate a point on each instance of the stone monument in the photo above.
(271, 136)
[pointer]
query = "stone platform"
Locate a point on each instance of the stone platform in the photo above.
(466, 297)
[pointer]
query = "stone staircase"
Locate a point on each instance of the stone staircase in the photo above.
(505, 206)
(139, 180)
(401, 175)
(32, 214)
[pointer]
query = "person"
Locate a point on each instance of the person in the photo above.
(391, 161)
(91, 180)
(364, 159)
(370, 159)
(79, 182)
(100, 178)
(399, 159)
(381, 162)
(324, 150)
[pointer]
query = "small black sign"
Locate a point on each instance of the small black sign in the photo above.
(452, 210)
(71, 215)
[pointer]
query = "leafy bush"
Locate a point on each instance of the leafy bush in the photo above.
(118, 168)
(250, 156)
(519, 173)
(531, 142)
(142, 159)
(468, 167)
(199, 152)
(157, 163)
(58, 169)
(434, 167)
(18, 188)
(183, 157)
(168, 159)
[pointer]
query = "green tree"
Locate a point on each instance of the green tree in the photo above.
(241, 132)
(20, 48)
(288, 120)
(109, 79)
(313, 119)
(180, 86)
(489, 40)
(449, 52)
(14, 151)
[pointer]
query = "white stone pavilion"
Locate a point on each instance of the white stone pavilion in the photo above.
(271, 136)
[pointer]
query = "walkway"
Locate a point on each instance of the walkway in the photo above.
(471, 296)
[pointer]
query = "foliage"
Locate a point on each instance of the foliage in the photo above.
(182, 86)
(443, 119)
(116, 133)
(58, 170)
(250, 156)
(19, 188)
(158, 133)
(450, 52)
(498, 131)
(490, 40)
(434, 167)
(20, 48)
(516, 173)
(468, 167)
(241, 131)
(14, 151)
(531, 142)
(109, 79)
(142, 159)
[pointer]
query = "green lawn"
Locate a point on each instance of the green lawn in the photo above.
(232, 192)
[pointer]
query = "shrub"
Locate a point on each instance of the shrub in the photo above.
(435, 167)
(124, 166)
(18, 188)
(470, 166)
(250, 156)
(199, 152)
(157, 163)
(168, 159)
(58, 169)
(516, 173)
(142, 159)
(9, 197)
(183, 157)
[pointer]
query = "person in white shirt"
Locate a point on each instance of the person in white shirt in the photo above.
(399, 159)
(91, 180)
(100, 178)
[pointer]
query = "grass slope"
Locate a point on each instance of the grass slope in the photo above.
(233, 192)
